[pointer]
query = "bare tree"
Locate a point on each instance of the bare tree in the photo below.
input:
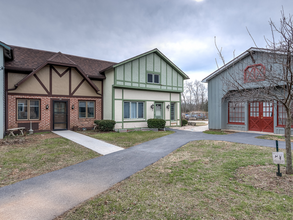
(272, 82)
(194, 96)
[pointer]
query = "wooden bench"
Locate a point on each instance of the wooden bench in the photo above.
(12, 130)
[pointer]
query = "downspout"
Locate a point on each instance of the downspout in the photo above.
(6, 104)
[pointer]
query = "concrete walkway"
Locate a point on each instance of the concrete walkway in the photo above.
(100, 147)
(49, 195)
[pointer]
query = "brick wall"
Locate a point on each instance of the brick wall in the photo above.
(45, 122)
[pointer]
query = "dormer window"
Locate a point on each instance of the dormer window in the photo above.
(153, 78)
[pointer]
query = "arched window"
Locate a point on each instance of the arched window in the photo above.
(254, 73)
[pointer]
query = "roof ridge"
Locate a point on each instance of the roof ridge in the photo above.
(61, 55)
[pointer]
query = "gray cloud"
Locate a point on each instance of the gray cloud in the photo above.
(115, 30)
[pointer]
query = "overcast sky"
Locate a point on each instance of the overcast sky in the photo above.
(115, 30)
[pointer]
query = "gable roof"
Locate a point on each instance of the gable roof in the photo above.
(236, 60)
(59, 59)
(27, 59)
(159, 53)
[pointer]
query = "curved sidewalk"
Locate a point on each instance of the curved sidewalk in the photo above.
(49, 195)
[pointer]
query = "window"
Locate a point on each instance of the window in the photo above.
(254, 73)
(153, 78)
(28, 109)
(172, 110)
(236, 112)
(86, 109)
(282, 114)
(133, 110)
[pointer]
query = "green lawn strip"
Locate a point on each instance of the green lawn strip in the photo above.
(215, 132)
(273, 137)
(201, 124)
(23, 161)
(127, 139)
(196, 181)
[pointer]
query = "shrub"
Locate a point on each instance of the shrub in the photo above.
(105, 125)
(156, 123)
(184, 122)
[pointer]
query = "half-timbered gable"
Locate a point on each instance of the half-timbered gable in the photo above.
(53, 91)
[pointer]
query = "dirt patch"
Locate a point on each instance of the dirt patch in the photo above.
(264, 177)
(27, 139)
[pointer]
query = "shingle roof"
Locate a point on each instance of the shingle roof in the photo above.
(30, 59)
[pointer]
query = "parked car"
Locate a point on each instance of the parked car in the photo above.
(187, 116)
(196, 116)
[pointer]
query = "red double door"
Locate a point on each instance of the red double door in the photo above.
(261, 116)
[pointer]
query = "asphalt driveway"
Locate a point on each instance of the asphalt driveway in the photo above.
(49, 195)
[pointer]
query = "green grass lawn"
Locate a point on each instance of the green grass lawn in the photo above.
(127, 139)
(273, 137)
(201, 124)
(39, 154)
(215, 132)
(199, 180)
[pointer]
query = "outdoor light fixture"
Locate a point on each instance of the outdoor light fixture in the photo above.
(72, 107)
(152, 106)
(47, 106)
(168, 106)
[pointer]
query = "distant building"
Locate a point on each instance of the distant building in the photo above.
(263, 116)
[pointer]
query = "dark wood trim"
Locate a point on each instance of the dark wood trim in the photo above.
(44, 87)
(6, 100)
(51, 114)
(19, 70)
(60, 74)
(96, 77)
(102, 102)
(77, 87)
(71, 96)
(67, 108)
(69, 81)
(32, 73)
(50, 80)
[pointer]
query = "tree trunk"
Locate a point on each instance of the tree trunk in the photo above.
(288, 143)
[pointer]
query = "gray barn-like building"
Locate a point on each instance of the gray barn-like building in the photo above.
(262, 116)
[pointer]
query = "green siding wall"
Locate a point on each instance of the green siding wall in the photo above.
(107, 95)
(134, 74)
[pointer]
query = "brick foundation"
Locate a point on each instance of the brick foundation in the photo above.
(46, 121)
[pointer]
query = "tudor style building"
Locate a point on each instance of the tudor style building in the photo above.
(263, 116)
(55, 91)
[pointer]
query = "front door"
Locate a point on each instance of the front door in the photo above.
(159, 110)
(261, 116)
(60, 115)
